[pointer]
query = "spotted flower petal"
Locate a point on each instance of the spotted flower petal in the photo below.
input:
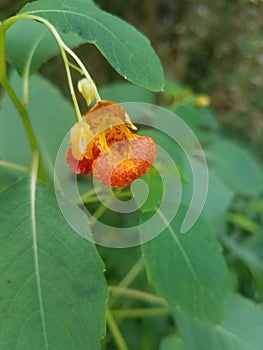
(83, 166)
(104, 144)
(125, 161)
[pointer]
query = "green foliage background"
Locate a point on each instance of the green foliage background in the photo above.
(209, 283)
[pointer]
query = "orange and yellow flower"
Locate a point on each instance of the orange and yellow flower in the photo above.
(103, 144)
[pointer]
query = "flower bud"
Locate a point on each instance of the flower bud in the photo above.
(88, 90)
(202, 101)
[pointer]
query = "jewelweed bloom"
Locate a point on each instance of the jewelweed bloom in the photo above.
(103, 144)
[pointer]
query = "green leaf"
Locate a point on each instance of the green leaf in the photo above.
(51, 116)
(29, 44)
(258, 285)
(125, 92)
(216, 189)
(155, 190)
(236, 166)
(218, 197)
(52, 289)
(241, 329)
(172, 342)
(197, 117)
(188, 269)
(201, 120)
(126, 49)
(249, 250)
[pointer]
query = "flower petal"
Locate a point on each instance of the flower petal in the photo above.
(124, 161)
(80, 136)
(105, 114)
(83, 166)
(128, 171)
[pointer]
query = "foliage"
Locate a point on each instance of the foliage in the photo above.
(47, 271)
(202, 289)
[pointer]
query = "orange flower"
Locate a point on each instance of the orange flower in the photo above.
(103, 143)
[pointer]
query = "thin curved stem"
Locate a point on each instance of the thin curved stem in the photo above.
(91, 197)
(14, 166)
(113, 327)
(70, 83)
(137, 294)
(127, 280)
(99, 212)
(63, 49)
(76, 68)
(19, 106)
(85, 72)
(27, 125)
(60, 42)
(141, 312)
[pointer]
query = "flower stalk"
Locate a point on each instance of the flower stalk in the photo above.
(64, 51)
(19, 106)
(22, 107)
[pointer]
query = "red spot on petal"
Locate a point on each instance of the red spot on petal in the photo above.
(128, 171)
(83, 166)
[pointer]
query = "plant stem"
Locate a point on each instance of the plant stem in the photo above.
(14, 166)
(76, 68)
(128, 279)
(99, 212)
(19, 106)
(62, 45)
(132, 274)
(138, 294)
(2, 53)
(120, 342)
(141, 312)
(70, 83)
(90, 198)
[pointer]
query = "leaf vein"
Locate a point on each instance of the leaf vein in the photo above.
(35, 248)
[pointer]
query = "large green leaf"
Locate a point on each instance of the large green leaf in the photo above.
(199, 119)
(51, 116)
(236, 166)
(241, 328)
(127, 50)
(216, 190)
(172, 342)
(52, 288)
(188, 269)
(258, 285)
(29, 44)
(249, 250)
(125, 92)
(216, 187)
